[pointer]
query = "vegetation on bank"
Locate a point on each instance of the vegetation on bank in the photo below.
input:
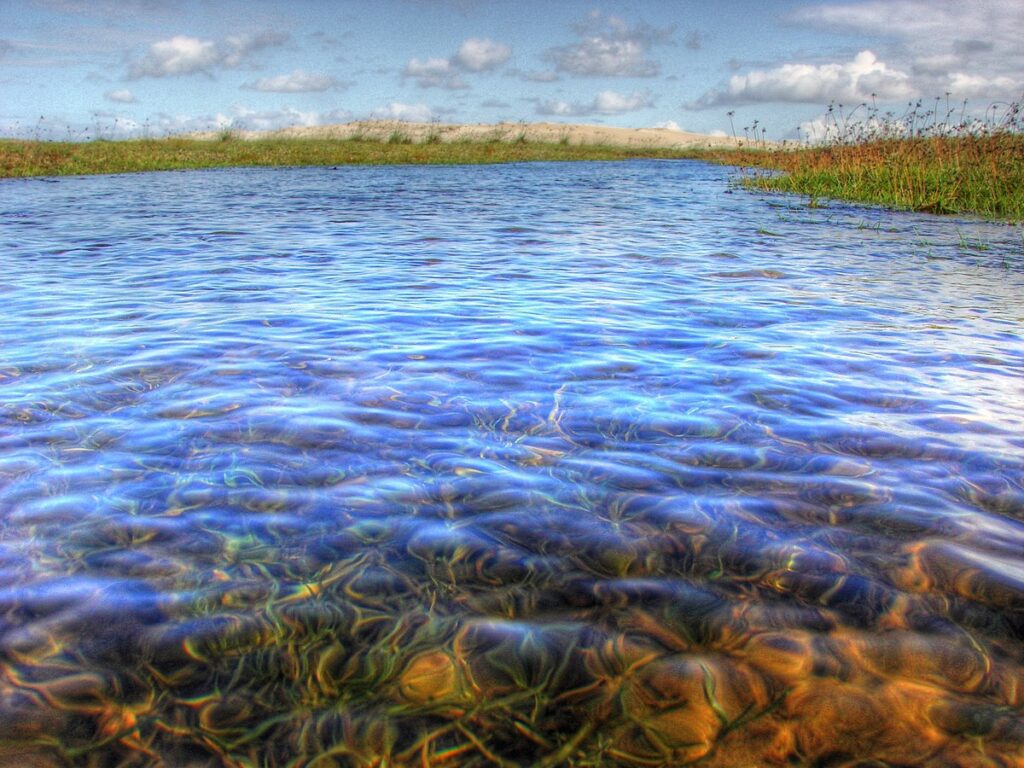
(935, 159)
(44, 158)
(980, 175)
(914, 162)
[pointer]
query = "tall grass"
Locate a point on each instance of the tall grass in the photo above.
(923, 160)
(20, 158)
(973, 174)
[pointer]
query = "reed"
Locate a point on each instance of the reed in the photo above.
(982, 175)
(917, 161)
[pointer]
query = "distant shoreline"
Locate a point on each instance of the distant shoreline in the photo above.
(978, 174)
(375, 143)
(575, 135)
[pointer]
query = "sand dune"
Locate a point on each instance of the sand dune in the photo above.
(553, 132)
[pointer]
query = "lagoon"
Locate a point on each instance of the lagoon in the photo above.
(534, 464)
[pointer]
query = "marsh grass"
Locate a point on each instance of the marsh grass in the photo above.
(935, 160)
(20, 158)
(918, 161)
(981, 175)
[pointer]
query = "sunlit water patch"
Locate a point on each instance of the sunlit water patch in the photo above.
(584, 464)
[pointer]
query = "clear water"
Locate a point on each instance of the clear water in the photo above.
(582, 464)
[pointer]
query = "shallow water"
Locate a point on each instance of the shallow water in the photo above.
(582, 464)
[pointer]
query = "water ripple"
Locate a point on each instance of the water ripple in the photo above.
(584, 463)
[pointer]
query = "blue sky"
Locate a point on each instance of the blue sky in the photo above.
(124, 67)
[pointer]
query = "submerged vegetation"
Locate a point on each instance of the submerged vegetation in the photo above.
(915, 161)
(549, 466)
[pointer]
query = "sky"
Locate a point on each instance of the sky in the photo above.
(112, 68)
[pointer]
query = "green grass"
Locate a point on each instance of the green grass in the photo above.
(45, 158)
(938, 160)
(967, 173)
(981, 175)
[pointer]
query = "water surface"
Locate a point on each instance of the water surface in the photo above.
(544, 464)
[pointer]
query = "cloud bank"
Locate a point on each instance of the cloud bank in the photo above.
(610, 47)
(853, 81)
(968, 50)
(184, 55)
(481, 54)
(477, 54)
(298, 81)
(410, 113)
(605, 103)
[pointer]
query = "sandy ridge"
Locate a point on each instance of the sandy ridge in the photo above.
(382, 130)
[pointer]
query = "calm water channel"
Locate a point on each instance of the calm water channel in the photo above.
(545, 464)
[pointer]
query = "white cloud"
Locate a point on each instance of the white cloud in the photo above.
(971, 49)
(237, 118)
(605, 103)
(818, 131)
(830, 127)
(600, 56)
(181, 55)
(612, 103)
(298, 81)
(410, 113)
(184, 55)
(109, 125)
(968, 86)
(938, 52)
(270, 120)
(668, 125)
(237, 48)
(334, 116)
(434, 73)
(560, 108)
(481, 54)
(608, 46)
(242, 118)
(476, 54)
(122, 96)
(934, 20)
(852, 81)
(934, 64)
(112, 125)
(436, 67)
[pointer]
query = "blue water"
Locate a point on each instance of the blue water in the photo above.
(606, 462)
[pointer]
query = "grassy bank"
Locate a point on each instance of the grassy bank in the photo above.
(38, 158)
(981, 175)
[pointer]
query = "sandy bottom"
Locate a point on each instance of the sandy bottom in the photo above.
(661, 138)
